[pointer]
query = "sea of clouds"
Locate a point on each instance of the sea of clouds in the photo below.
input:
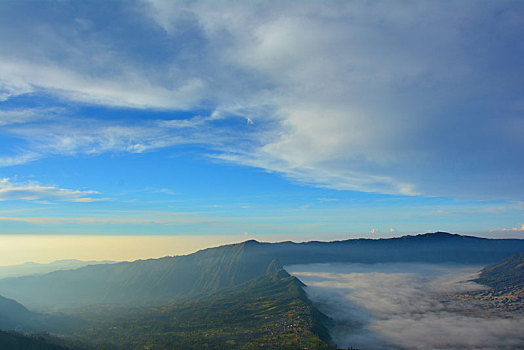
(397, 306)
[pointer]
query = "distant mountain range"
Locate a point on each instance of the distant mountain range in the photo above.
(211, 270)
(32, 268)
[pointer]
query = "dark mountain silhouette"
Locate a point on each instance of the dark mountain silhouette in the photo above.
(438, 247)
(215, 269)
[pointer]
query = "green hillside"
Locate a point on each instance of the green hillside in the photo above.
(270, 311)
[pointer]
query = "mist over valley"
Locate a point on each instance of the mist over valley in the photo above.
(411, 292)
(407, 306)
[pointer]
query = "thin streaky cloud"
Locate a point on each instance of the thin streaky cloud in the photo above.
(412, 98)
(32, 191)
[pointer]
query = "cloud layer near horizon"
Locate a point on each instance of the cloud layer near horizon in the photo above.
(392, 97)
(396, 306)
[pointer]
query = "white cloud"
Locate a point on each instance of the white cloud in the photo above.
(21, 116)
(399, 98)
(32, 191)
(127, 90)
(514, 229)
(401, 306)
(21, 158)
(70, 136)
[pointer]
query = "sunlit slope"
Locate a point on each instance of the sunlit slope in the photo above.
(215, 269)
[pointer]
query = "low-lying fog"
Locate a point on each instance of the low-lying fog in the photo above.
(394, 306)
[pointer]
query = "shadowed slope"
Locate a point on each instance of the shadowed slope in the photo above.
(508, 274)
(13, 314)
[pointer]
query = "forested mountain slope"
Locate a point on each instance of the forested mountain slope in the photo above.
(140, 281)
(214, 269)
(270, 311)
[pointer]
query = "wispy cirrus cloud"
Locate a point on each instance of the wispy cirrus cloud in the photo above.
(38, 136)
(27, 115)
(129, 90)
(402, 98)
(20, 158)
(32, 191)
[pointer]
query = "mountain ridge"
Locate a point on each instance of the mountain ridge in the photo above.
(213, 269)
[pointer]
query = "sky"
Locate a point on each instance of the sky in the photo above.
(275, 119)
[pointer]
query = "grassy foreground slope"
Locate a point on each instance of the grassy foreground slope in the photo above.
(271, 312)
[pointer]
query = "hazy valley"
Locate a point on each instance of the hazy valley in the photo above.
(366, 294)
(202, 174)
(412, 306)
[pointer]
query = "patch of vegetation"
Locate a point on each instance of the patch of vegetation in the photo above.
(15, 341)
(508, 274)
(270, 312)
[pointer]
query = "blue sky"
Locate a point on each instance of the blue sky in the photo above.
(321, 118)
